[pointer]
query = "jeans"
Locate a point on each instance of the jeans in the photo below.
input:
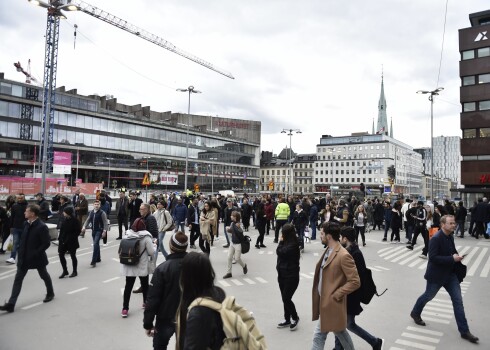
(129, 287)
(19, 278)
(313, 228)
(459, 228)
(180, 227)
(288, 286)
(226, 234)
(387, 227)
(319, 339)
(409, 232)
(161, 236)
(96, 234)
(16, 233)
(454, 290)
(163, 333)
(361, 333)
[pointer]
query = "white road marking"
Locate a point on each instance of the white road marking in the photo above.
(448, 310)
(486, 269)
(437, 314)
(32, 305)
(424, 265)
(382, 268)
(436, 320)
(421, 337)
(477, 262)
(425, 331)
(442, 301)
(305, 275)
(111, 279)
(116, 260)
(384, 250)
(373, 268)
(391, 251)
(77, 290)
(415, 345)
(236, 282)
(260, 279)
(223, 283)
(249, 281)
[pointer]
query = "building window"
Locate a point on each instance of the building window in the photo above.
(483, 78)
(469, 106)
(468, 55)
(484, 105)
(484, 52)
(469, 133)
(470, 80)
(484, 132)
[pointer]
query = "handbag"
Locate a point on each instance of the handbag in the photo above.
(245, 244)
(172, 226)
(460, 271)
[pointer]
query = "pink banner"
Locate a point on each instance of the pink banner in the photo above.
(30, 186)
(62, 158)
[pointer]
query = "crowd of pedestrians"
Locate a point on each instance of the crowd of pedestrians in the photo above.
(171, 287)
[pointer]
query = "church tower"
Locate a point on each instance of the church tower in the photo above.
(382, 127)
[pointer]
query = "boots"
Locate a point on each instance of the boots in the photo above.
(73, 274)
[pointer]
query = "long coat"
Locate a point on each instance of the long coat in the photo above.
(69, 232)
(34, 241)
(205, 222)
(339, 278)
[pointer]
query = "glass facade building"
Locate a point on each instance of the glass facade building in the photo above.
(117, 144)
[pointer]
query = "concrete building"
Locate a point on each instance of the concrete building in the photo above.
(275, 172)
(117, 144)
(447, 158)
(474, 71)
(303, 173)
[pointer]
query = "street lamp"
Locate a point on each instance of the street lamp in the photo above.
(289, 132)
(190, 90)
(431, 99)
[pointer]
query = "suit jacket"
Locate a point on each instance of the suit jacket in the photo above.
(441, 261)
(125, 206)
(191, 213)
(82, 206)
(34, 241)
(339, 278)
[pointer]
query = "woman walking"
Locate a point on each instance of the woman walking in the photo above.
(360, 217)
(287, 267)
(68, 241)
(396, 222)
(164, 222)
(260, 222)
(214, 225)
(235, 249)
(205, 221)
(141, 270)
(246, 214)
(200, 328)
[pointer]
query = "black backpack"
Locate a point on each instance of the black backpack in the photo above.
(246, 244)
(129, 251)
(368, 288)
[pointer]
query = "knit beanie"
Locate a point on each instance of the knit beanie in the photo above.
(178, 242)
(138, 225)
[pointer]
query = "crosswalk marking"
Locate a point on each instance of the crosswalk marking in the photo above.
(484, 272)
(382, 268)
(448, 310)
(111, 279)
(414, 344)
(437, 314)
(374, 269)
(425, 331)
(77, 290)
(436, 320)
(223, 283)
(391, 251)
(421, 337)
(260, 279)
(236, 282)
(477, 262)
(305, 275)
(32, 305)
(249, 281)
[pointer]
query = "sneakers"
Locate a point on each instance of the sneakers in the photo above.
(104, 245)
(245, 269)
(383, 240)
(7, 307)
(139, 290)
(262, 246)
(275, 241)
(417, 319)
(294, 325)
(124, 313)
(379, 344)
(10, 261)
(2, 251)
(234, 261)
(284, 324)
(118, 238)
(226, 246)
(48, 298)
(409, 247)
(470, 337)
(423, 256)
(228, 275)
(257, 246)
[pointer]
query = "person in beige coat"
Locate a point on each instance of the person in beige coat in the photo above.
(335, 277)
(205, 221)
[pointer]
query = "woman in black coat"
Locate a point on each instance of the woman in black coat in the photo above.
(246, 214)
(378, 217)
(68, 241)
(260, 223)
(287, 267)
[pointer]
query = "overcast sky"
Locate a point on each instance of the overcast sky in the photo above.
(308, 65)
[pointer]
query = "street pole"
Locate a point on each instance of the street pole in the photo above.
(431, 99)
(109, 177)
(289, 132)
(190, 90)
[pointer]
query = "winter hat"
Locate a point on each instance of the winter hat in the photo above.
(178, 242)
(138, 225)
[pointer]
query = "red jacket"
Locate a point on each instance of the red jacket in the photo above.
(269, 211)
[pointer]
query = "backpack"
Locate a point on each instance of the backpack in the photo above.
(245, 244)
(241, 332)
(129, 251)
(368, 288)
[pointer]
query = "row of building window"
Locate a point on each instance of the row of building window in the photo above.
(476, 79)
(349, 148)
(476, 106)
(475, 53)
(341, 172)
(347, 164)
(473, 133)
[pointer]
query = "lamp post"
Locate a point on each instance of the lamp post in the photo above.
(190, 90)
(431, 99)
(289, 132)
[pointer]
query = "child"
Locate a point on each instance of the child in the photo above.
(235, 248)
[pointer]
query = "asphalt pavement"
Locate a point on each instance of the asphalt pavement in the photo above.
(85, 313)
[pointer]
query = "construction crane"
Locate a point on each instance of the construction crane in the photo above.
(27, 73)
(27, 110)
(55, 12)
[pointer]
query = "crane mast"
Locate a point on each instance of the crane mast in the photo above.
(55, 7)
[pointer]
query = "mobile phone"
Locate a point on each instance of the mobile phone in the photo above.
(463, 255)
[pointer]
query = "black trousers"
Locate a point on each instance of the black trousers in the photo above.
(19, 278)
(260, 238)
(361, 230)
(74, 261)
(122, 221)
(288, 286)
(425, 235)
(195, 233)
(204, 245)
(163, 333)
(279, 224)
(129, 287)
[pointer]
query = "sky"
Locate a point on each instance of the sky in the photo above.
(310, 65)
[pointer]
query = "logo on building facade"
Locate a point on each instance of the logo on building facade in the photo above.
(481, 36)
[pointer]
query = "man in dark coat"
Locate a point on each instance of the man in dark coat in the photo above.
(44, 205)
(81, 209)
(134, 207)
(35, 240)
(481, 214)
(122, 211)
(443, 257)
(348, 241)
(17, 219)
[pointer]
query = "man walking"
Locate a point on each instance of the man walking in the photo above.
(17, 218)
(163, 296)
(335, 277)
(98, 220)
(32, 255)
(44, 212)
(122, 211)
(420, 221)
(81, 208)
(440, 273)
(179, 214)
(193, 221)
(230, 208)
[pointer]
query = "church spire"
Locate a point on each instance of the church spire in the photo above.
(391, 127)
(382, 127)
(372, 132)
